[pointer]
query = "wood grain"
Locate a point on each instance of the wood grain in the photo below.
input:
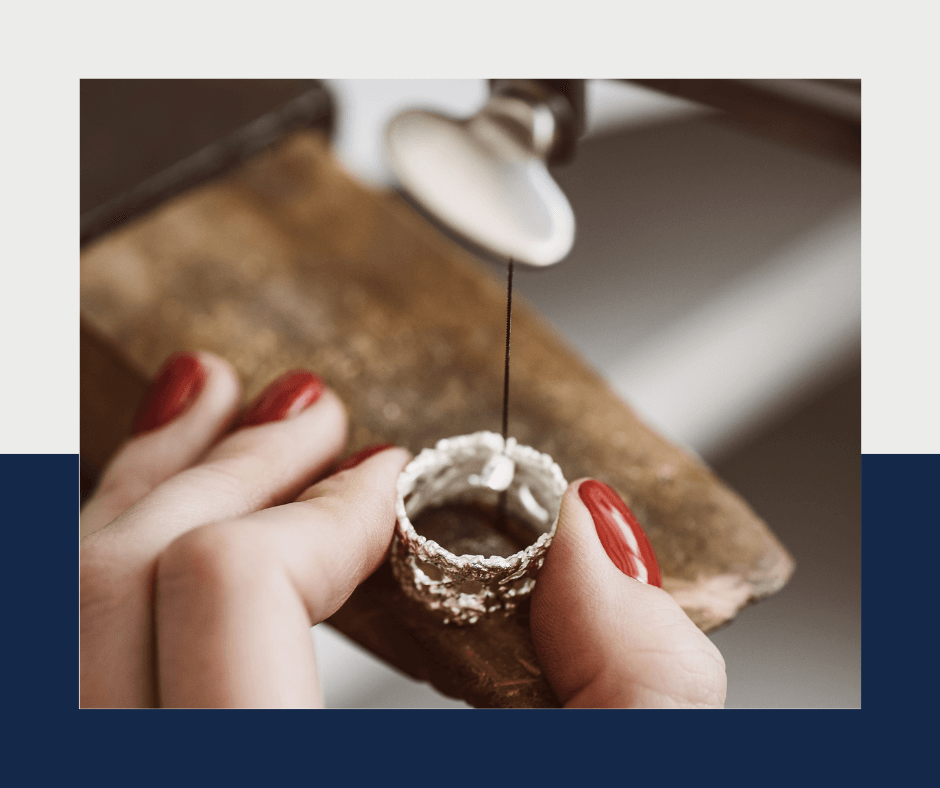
(287, 262)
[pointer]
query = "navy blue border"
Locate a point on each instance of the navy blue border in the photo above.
(40, 517)
(900, 522)
(40, 504)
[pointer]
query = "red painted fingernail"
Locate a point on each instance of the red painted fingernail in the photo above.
(178, 383)
(620, 533)
(286, 396)
(362, 455)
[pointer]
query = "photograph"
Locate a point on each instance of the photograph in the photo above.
(470, 393)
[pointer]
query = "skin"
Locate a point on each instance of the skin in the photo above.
(207, 555)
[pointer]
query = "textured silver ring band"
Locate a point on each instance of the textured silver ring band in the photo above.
(477, 467)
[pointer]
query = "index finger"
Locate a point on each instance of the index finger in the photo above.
(235, 601)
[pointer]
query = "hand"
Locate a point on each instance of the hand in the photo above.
(207, 556)
(604, 638)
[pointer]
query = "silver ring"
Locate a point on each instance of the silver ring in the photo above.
(475, 468)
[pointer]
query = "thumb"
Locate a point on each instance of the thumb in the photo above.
(606, 633)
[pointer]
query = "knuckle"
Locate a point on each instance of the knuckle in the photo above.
(120, 491)
(209, 559)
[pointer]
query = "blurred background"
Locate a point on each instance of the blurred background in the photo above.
(714, 282)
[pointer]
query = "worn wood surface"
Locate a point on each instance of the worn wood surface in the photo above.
(144, 141)
(287, 262)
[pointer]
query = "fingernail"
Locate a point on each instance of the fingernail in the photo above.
(620, 533)
(285, 397)
(362, 455)
(178, 383)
